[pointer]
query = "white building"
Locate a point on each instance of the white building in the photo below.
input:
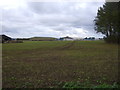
(67, 38)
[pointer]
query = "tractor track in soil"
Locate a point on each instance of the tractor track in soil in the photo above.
(67, 46)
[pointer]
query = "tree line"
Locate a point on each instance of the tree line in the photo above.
(107, 21)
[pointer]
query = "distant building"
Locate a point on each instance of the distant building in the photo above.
(4, 38)
(67, 38)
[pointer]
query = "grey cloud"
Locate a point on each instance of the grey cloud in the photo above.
(51, 13)
(48, 7)
(50, 19)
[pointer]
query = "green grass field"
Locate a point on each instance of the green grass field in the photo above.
(64, 64)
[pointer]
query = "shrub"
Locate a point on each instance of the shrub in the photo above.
(112, 39)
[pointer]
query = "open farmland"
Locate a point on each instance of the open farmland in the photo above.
(35, 64)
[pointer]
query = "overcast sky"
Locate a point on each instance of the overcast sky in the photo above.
(21, 18)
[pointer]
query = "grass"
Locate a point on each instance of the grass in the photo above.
(45, 64)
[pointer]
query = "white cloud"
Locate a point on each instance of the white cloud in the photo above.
(49, 19)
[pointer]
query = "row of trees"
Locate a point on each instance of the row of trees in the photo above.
(107, 21)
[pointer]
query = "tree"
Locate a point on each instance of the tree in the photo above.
(107, 21)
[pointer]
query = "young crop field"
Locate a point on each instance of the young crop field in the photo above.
(59, 64)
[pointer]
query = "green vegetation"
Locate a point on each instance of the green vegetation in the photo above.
(42, 39)
(86, 84)
(60, 64)
(107, 22)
